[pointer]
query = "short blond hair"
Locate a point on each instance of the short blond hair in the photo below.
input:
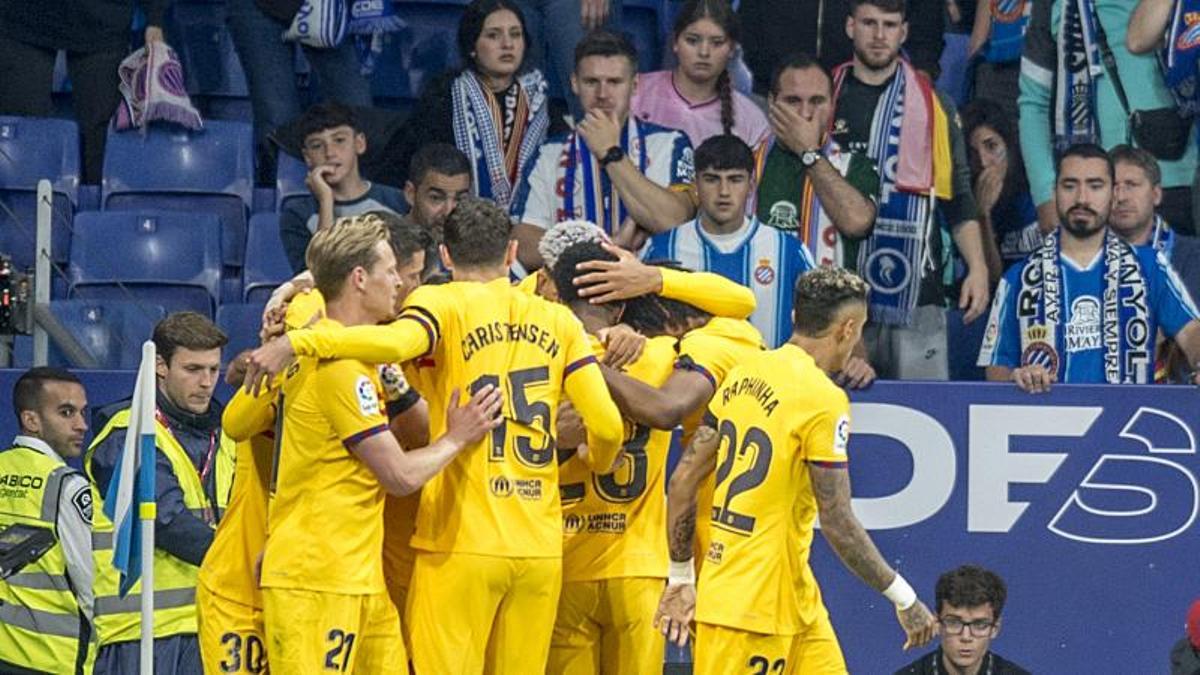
(334, 252)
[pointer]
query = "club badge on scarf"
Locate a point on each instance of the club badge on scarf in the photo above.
(319, 23)
(1079, 65)
(153, 89)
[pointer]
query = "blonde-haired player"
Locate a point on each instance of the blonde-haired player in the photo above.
(488, 539)
(325, 600)
(777, 433)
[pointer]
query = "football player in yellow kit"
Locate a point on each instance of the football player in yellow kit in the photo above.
(776, 433)
(489, 527)
(325, 601)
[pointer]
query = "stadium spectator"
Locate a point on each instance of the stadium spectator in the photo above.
(556, 27)
(438, 176)
(904, 258)
(818, 27)
(332, 146)
(997, 36)
(799, 157)
(95, 36)
(758, 600)
(1007, 214)
(1136, 194)
(969, 602)
(1185, 655)
(698, 97)
(193, 474)
(724, 240)
(1052, 320)
(1069, 96)
(493, 109)
(625, 175)
(47, 627)
(257, 27)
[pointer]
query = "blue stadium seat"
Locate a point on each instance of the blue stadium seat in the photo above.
(641, 20)
(199, 35)
(32, 149)
(241, 323)
(111, 331)
(422, 50)
(290, 173)
(210, 171)
(266, 264)
(162, 257)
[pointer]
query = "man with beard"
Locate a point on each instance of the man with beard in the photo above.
(1086, 306)
(883, 107)
(438, 176)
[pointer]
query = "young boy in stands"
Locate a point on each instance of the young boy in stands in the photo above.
(332, 146)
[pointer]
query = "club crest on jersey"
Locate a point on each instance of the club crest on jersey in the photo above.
(1006, 11)
(1190, 37)
(1039, 352)
(368, 399)
(764, 274)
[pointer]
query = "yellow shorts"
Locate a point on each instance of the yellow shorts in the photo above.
(607, 627)
(472, 613)
(231, 634)
(310, 631)
(728, 651)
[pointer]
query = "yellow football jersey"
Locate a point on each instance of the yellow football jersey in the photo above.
(499, 497)
(228, 567)
(776, 414)
(614, 525)
(304, 308)
(326, 512)
(529, 284)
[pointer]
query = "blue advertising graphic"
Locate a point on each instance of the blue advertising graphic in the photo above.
(1084, 500)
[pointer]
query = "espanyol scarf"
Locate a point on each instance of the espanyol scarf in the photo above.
(478, 132)
(1180, 56)
(896, 256)
(1124, 320)
(1009, 21)
(1079, 65)
(319, 23)
(601, 204)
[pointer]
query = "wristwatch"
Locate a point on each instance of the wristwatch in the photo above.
(809, 157)
(614, 154)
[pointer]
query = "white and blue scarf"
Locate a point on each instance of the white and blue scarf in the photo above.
(319, 23)
(480, 137)
(1180, 56)
(601, 204)
(1124, 321)
(1079, 64)
(896, 256)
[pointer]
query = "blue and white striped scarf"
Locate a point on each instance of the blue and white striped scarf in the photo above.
(319, 23)
(1079, 64)
(476, 134)
(896, 256)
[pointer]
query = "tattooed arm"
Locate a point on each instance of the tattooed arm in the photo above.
(678, 604)
(831, 486)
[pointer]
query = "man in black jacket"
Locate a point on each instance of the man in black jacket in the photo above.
(777, 29)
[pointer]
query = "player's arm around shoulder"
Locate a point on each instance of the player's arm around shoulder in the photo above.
(583, 384)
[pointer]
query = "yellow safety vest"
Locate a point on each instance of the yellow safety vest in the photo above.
(119, 619)
(41, 627)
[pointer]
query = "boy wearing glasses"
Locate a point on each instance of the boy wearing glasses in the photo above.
(969, 601)
(332, 146)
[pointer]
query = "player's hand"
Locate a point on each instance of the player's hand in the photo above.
(600, 131)
(974, 296)
(317, 185)
(593, 13)
(153, 34)
(858, 374)
(622, 345)
(630, 236)
(675, 612)
(265, 362)
(569, 429)
(1034, 379)
(284, 293)
(626, 278)
(918, 624)
(273, 324)
(467, 424)
(236, 373)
